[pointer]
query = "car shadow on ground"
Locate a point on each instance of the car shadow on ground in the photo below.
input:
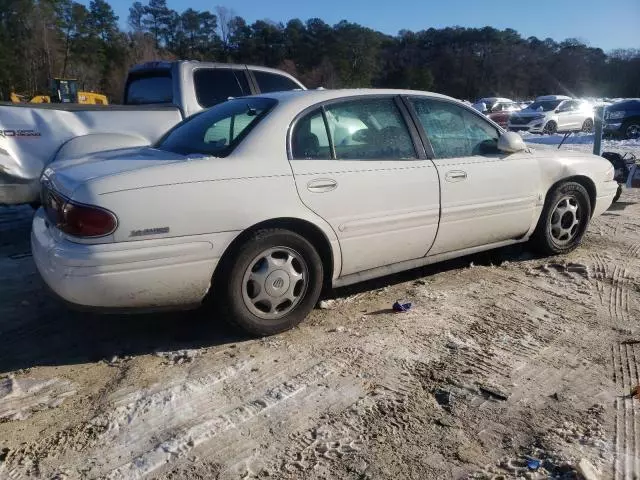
(512, 253)
(617, 206)
(42, 331)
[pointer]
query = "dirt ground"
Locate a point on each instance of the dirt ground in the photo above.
(507, 366)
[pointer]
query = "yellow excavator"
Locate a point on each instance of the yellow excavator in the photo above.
(63, 90)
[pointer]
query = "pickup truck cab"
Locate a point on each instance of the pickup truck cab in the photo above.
(157, 96)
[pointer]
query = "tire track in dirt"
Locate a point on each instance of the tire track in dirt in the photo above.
(600, 273)
(184, 440)
(626, 377)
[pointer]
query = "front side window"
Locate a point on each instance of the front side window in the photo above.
(214, 86)
(217, 131)
(454, 131)
(272, 82)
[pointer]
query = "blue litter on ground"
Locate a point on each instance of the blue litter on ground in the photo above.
(533, 464)
(401, 307)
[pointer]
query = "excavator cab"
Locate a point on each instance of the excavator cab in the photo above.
(63, 90)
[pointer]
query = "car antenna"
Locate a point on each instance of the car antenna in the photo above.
(566, 135)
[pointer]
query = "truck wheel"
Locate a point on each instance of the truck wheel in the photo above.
(564, 219)
(587, 126)
(272, 282)
(617, 195)
(550, 128)
(631, 129)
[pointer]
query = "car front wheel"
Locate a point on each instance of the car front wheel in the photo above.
(564, 219)
(631, 129)
(272, 282)
(550, 128)
(587, 126)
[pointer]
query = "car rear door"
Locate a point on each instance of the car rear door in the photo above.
(487, 196)
(360, 165)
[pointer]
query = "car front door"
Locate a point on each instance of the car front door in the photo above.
(568, 115)
(359, 165)
(487, 196)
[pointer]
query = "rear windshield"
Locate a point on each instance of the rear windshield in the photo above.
(544, 106)
(217, 131)
(149, 88)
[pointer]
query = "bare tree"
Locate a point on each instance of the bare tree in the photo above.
(225, 18)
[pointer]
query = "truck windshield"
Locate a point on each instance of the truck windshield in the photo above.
(149, 88)
(217, 131)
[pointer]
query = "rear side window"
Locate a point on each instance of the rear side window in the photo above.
(310, 140)
(364, 129)
(217, 131)
(272, 82)
(149, 88)
(214, 86)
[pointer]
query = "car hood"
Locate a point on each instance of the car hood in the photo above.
(528, 113)
(66, 175)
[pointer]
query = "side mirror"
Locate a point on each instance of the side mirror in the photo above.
(511, 142)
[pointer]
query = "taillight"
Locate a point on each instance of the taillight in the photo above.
(77, 219)
(86, 220)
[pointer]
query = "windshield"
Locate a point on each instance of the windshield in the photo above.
(544, 106)
(216, 131)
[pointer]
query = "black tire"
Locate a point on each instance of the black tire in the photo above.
(587, 126)
(550, 128)
(617, 195)
(631, 129)
(545, 238)
(230, 283)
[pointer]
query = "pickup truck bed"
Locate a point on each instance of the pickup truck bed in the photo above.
(157, 96)
(32, 136)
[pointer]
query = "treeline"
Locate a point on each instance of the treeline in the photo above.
(40, 39)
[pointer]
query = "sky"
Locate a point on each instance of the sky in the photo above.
(607, 24)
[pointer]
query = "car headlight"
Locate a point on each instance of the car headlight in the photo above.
(615, 115)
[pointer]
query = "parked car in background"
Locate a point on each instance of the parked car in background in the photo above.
(553, 113)
(292, 191)
(157, 95)
(622, 119)
(497, 109)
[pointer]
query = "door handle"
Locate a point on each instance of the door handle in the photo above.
(322, 185)
(455, 176)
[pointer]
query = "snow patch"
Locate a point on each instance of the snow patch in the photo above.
(19, 399)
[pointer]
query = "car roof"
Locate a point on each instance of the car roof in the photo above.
(495, 99)
(305, 98)
(552, 97)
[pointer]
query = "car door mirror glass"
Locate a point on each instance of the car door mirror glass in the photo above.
(511, 142)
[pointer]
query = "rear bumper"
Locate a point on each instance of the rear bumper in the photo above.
(146, 274)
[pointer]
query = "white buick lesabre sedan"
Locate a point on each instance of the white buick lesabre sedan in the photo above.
(261, 201)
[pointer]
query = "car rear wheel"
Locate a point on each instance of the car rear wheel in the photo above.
(587, 126)
(272, 282)
(550, 128)
(631, 129)
(564, 219)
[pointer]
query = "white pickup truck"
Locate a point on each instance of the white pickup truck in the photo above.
(157, 96)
